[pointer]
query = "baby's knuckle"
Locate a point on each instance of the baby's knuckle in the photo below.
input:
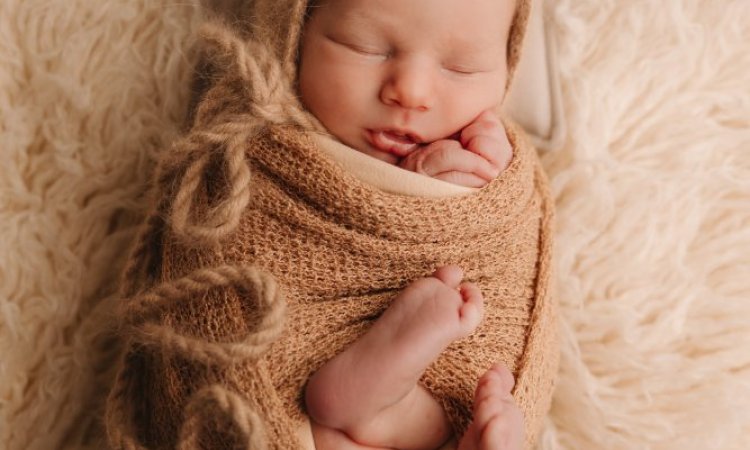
(445, 154)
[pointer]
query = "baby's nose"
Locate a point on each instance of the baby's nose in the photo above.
(409, 86)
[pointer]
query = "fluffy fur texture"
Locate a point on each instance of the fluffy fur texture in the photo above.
(652, 195)
(90, 92)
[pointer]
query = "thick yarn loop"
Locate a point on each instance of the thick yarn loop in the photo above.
(268, 92)
(141, 313)
(224, 217)
(248, 60)
(215, 400)
(270, 101)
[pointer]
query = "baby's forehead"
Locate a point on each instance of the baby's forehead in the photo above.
(483, 22)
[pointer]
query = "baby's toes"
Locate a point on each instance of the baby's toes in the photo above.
(499, 422)
(503, 432)
(472, 308)
(498, 377)
(489, 404)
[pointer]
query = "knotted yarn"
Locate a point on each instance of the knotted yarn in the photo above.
(269, 101)
(252, 72)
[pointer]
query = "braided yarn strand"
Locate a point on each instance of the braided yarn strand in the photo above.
(141, 311)
(184, 289)
(270, 101)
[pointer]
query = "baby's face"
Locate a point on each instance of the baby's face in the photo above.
(384, 76)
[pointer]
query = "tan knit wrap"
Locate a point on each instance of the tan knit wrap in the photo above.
(262, 259)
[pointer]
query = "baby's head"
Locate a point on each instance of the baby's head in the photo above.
(386, 75)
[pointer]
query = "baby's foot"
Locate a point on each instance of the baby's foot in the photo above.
(498, 423)
(378, 371)
(427, 316)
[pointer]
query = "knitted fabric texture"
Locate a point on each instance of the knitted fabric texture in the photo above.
(262, 259)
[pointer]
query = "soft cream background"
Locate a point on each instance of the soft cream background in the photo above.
(652, 186)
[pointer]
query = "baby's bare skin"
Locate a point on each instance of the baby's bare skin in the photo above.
(497, 423)
(367, 397)
(473, 157)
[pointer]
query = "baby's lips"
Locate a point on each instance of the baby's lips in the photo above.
(392, 143)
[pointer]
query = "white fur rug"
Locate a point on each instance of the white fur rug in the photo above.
(652, 186)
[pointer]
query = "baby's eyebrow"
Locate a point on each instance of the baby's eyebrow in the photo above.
(475, 53)
(361, 17)
(458, 43)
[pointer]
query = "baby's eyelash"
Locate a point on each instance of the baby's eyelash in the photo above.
(462, 70)
(368, 51)
(361, 50)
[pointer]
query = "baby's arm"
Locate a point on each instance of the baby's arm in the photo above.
(480, 154)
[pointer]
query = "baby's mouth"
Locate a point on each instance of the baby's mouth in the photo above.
(395, 142)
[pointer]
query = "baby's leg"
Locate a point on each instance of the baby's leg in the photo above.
(369, 393)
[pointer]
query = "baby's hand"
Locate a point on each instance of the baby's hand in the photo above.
(480, 155)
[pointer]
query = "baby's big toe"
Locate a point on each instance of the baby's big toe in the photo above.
(496, 416)
(500, 377)
(503, 433)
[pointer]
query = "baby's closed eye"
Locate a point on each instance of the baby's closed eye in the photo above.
(361, 48)
(462, 70)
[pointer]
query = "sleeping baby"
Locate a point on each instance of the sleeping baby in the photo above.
(277, 300)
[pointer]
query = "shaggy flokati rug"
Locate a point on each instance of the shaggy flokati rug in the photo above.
(652, 188)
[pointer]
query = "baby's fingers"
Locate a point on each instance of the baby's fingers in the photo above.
(443, 157)
(486, 137)
(497, 152)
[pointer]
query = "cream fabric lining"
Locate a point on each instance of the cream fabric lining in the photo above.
(384, 176)
(534, 99)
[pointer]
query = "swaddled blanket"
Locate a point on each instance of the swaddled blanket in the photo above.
(263, 258)
(341, 250)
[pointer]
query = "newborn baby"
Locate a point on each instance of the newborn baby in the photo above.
(275, 300)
